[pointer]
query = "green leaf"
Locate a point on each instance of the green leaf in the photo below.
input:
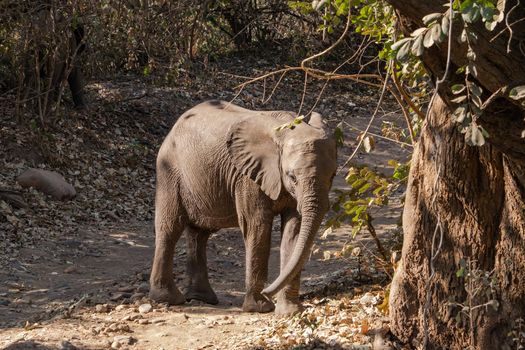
(402, 53)
(460, 113)
(475, 89)
(471, 55)
(417, 46)
(368, 144)
(364, 188)
(357, 184)
(471, 69)
(461, 272)
(463, 37)
(338, 135)
(418, 32)
(470, 13)
(465, 5)
(476, 100)
(436, 32)
(431, 17)
(487, 13)
(445, 22)
(517, 93)
(429, 40)
(399, 43)
(474, 136)
(457, 88)
(298, 120)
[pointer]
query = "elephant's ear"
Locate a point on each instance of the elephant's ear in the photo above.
(255, 153)
(317, 121)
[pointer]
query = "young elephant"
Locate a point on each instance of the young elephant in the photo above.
(225, 166)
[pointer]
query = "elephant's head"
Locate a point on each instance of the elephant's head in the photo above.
(300, 162)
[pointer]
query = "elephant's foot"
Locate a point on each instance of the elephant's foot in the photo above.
(257, 303)
(206, 295)
(287, 307)
(170, 295)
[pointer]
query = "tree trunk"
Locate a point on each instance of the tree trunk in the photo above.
(477, 195)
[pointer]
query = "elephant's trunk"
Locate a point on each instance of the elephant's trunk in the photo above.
(312, 214)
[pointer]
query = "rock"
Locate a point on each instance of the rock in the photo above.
(120, 307)
(120, 296)
(135, 317)
(368, 299)
(143, 321)
(65, 345)
(145, 308)
(137, 296)
(70, 269)
(143, 288)
(48, 182)
(102, 308)
(142, 276)
(72, 243)
(121, 340)
(13, 198)
(158, 320)
(126, 289)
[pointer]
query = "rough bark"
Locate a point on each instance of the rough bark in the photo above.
(478, 196)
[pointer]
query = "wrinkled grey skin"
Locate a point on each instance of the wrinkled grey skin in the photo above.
(225, 166)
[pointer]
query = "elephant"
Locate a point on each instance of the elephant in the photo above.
(224, 166)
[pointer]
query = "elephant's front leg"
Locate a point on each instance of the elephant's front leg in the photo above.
(288, 297)
(256, 226)
(257, 240)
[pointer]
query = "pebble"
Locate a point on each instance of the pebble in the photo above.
(143, 288)
(120, 307)
(122, 340)
(158, 320)
(119, 296)
(70, 269)
(102, 308)
(126, 289)
(135, 317)
(137, 296)
(145, 308)
(65, 345)
(143, 321)
(142, 276)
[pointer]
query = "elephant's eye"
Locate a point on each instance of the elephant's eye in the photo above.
(292, 177)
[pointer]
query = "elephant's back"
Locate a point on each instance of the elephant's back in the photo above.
(196, 147)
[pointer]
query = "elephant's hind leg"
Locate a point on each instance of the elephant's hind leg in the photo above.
(168, 228)
(198, 284)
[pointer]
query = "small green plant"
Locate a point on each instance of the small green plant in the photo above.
(368, 190)
(291, 125)
(480, 287)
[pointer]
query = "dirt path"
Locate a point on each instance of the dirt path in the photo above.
(93, 298)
